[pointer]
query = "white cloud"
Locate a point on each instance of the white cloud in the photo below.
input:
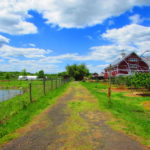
(3, 40)
(81, 13)
(106, 53)
(130, 38)
(29, 65)
(13, 17)
(64, 13)
(132, 35)
(32, 44)
(96, 68)
(9, 51)
(136, 19)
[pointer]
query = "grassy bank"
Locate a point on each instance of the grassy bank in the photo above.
(129, 111)
(18, 111)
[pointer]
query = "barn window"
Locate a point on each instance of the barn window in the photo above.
(133, 66)
(133, 59)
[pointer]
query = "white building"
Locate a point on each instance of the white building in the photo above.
(27, 77)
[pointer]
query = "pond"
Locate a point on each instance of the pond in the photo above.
(8, 94)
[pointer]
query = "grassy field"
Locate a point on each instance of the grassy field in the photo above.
(130, 112)
(18, 111)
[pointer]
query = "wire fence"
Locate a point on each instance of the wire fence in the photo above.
(17, 95)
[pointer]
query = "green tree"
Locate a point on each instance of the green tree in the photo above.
(24, 72)
(7, 76)
(77, 71)
(41, 74)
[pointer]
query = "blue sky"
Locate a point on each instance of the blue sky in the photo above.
(51, 34)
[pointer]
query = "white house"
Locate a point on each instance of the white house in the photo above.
(27, 77)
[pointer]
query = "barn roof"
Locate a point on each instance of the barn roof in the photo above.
(117, 61)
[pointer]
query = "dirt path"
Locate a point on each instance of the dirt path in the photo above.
(73, 123)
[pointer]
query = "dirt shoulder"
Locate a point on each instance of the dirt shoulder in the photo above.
(73, 123)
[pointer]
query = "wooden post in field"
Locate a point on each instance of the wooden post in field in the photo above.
(59, 82)
(56, 83)
(109, 89)
(52, 84)
(30, 92)
(44, 90)
(62, 81)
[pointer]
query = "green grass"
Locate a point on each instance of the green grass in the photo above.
(129, 110)
(18, 111)
(21, 101)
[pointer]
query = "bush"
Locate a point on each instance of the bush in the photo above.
(137, 80)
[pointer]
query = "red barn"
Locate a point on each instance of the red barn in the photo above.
(127, 65)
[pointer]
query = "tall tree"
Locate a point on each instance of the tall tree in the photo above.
(7, 76)
(24, 72)
(77, 71)
(41, 74)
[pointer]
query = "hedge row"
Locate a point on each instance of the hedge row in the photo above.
(138, 80)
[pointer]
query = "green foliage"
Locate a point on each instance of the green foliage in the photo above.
(24, 72)
(65, 75)
(138, 80)
(141, 80)
(7, 76)
(41, 74)
(15, 75)
(129, 110)
(52, 76)
(77, 71)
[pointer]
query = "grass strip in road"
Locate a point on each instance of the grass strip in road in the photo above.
(26, 114)
(128, 110)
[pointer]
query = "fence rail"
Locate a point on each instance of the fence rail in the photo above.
(24, 93)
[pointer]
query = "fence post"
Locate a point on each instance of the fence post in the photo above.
(30, 92)
(109, 89)
(44, 86)
(60, 81)
(56, 83)
(52, 83)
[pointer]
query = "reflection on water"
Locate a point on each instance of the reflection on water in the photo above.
(7, 94)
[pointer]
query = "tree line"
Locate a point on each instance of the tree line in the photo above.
(75, 72)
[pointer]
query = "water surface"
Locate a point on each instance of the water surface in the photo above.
(8, 94)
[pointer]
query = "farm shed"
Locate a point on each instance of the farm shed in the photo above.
(127, 65)
(27, 77)
(95, 75)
